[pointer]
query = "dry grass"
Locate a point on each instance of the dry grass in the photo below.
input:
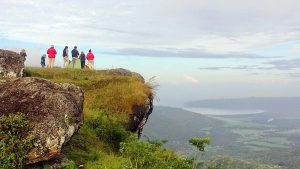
(113, 93)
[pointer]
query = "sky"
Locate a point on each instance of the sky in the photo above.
(195, 49)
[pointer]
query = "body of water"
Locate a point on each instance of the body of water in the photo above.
(213, 111)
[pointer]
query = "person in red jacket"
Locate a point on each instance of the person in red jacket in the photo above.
(90, 57)
(51, 56)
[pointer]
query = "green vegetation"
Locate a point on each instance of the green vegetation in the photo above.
(235, 163)
(200, 142)
(13, 148)
(229, 137)
(69, 165)
(151, 155)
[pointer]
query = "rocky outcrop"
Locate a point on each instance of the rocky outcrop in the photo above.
(141, 113)
(55, 112)
(11, 64)
(125, 72)
(138, 120)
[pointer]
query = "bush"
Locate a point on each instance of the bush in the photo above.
(14, 144)
(200, 142)
(151, 156)
(108, 128)
(69, 165)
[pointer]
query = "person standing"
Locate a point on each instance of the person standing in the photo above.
(66, 56)
(23, 54)
(90, 57)
(75, 55)
(43, 60)
(82, 59)
(51, 56)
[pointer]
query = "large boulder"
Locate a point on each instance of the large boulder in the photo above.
(11, 64)
(55, 112)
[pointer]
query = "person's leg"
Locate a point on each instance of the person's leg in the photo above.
(66, 60)
(73, 61)
(53, 60)
(82, 64)
(49, 62)
(92, 63)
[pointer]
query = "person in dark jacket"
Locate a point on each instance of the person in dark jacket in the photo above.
(75, 55)
(43, 61)
(82, 59)
(66, 57)
(23, 54)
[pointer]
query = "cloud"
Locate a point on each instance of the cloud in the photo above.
(191, 79)
(213, 26)
(251, 67)
(184, 53)
(285, 64)
(273, 65)
(295, 75)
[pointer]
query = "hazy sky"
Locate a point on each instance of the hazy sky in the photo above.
(197, 49)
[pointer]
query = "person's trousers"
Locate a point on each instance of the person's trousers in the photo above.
(51, 62)
(82, 64)
(74, 61)
(91, 63)
(66, 61)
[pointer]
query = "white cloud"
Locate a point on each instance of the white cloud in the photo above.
(191, 79)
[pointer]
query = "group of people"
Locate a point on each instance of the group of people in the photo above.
(75, 56)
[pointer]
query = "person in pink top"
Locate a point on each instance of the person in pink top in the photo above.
(90, 57)
(51, 56)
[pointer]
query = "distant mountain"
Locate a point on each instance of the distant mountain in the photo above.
(281, 105)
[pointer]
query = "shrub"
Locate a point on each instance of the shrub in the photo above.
(108, 128)
(14, 144)
(151, 156)
(200, 142)
(69, 165)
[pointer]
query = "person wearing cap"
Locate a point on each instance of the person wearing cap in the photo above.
(66, 56)
(90, 57)
(75, 55)
(51, 56)
(82, 59)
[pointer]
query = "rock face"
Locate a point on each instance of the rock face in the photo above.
(11, 64)
(55, 112)
(138, 120)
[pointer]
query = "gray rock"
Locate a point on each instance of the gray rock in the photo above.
(125, 72)
(55, 112)
(11, 64)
